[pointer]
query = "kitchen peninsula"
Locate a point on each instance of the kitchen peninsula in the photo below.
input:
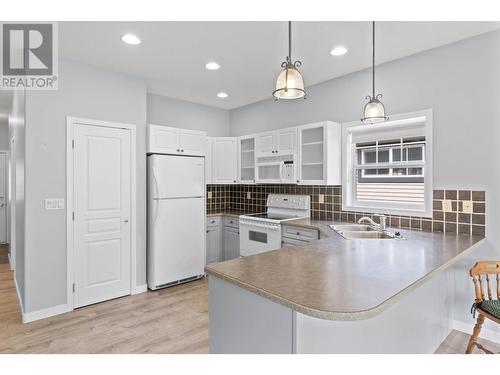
(336, 295)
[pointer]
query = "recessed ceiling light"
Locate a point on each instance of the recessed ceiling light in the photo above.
(222, 95)
(212, 65)
(338, 51)
(131, 39)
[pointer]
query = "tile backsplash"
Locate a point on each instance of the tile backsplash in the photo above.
(252, 198)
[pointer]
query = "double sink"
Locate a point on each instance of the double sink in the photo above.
(362, 231)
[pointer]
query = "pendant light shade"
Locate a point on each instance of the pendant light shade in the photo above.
(374, 110)
(290, 84)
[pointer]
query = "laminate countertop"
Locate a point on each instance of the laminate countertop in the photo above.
(230, 213)
(340, 279)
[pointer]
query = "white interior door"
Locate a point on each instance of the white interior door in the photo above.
(102, 207)
(3, 197)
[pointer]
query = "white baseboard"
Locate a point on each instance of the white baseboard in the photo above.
(140, 289)
(486, 333)
(10, 262)
(45, 313)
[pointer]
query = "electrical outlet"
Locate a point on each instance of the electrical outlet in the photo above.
(321, 198)
(467, 207)
(446, 205)
(249, 195)
(209, 195)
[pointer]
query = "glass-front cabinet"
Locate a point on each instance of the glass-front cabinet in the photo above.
(246, 169)
(319, 154)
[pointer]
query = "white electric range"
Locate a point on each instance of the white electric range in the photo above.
(262, 232)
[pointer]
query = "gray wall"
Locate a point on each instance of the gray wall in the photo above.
(182, 114)
(4, 135)
(461, 83)
(88, 92)
(17, 206)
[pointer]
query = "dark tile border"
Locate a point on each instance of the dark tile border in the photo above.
(234, 197)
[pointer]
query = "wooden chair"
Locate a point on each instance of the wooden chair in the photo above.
(482, 273)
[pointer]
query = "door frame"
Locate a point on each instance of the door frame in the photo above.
(70, 277)
(7, 199)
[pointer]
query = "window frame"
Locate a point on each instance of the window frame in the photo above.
(392, 128)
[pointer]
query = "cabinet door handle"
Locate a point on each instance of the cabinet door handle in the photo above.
(298, 233)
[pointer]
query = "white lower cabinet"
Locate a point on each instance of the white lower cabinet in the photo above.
(231, 238)
(223, 239)
(214, 243)
(297, 236)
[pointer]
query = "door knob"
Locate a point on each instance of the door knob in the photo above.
(125, 221)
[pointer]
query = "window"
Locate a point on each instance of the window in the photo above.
(387, 166)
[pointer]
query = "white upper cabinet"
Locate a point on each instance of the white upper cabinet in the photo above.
(308, 154)
(224, 160)
(319, 157)
(192, 142)
(280, 142)
(246, 160)
(208, 161)
(168, 140)
(286, 142)
(265, 144)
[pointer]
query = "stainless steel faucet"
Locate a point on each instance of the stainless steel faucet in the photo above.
(382, 218)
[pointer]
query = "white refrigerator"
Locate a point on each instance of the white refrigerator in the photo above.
(176, 219)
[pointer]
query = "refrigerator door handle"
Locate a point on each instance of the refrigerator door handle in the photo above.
(155, 185)
(155, 211)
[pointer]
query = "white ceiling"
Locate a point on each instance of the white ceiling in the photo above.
(172, 55)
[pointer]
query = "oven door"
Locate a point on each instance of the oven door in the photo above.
(258, 238)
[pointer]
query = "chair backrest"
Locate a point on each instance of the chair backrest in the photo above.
(490, 269)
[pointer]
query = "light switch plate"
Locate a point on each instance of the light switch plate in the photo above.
(321, 198)
(249, 195)
(209, 195)
(54, 204)
(446, 205)
(467, 207)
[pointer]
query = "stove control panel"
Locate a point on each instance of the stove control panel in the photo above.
(295, 202)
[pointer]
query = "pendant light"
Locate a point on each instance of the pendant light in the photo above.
(374, 110)
(290, 84)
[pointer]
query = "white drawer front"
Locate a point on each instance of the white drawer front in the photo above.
(231, 222)
(303, 234)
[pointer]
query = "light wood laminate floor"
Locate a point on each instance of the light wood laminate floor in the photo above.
(4, 254)
(173, 320)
